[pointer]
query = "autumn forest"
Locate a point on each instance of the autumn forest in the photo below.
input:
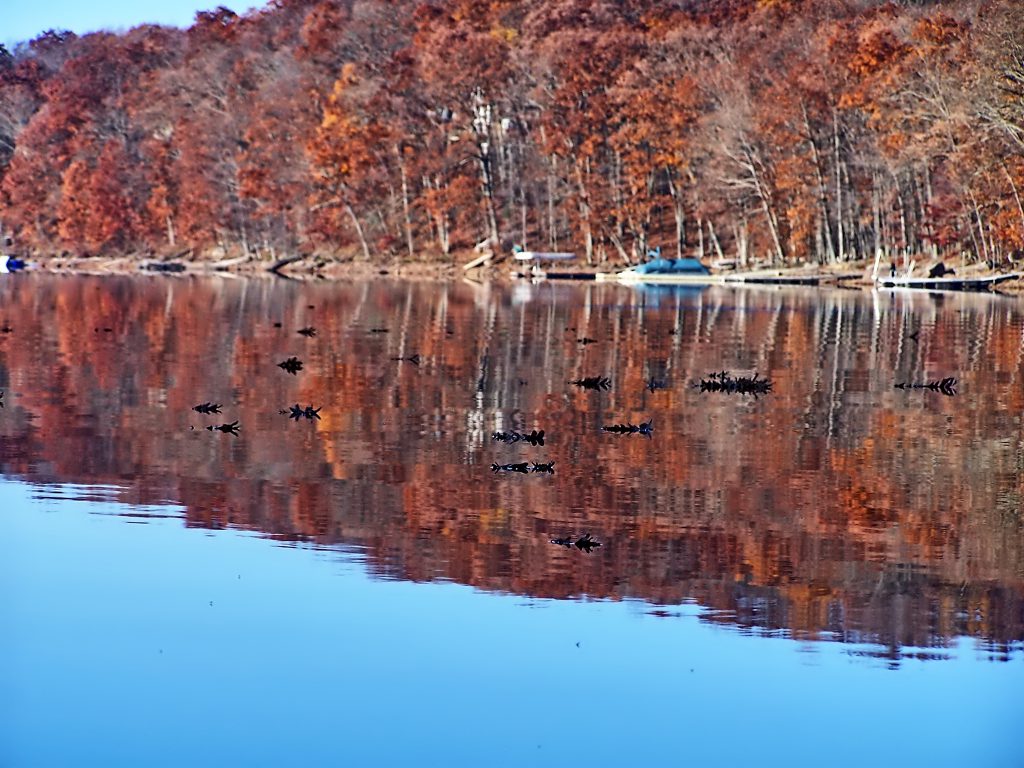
(782, 131)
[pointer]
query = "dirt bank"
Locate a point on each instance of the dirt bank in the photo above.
(318, 268)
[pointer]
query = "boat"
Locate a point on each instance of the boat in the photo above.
(533, 259)
(662, 270)
(10, 264)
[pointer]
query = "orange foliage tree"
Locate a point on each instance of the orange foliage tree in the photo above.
(786, 131)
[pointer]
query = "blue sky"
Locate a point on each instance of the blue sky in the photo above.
(23, 20)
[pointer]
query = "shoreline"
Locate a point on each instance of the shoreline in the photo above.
(306, 269)
(850, 275)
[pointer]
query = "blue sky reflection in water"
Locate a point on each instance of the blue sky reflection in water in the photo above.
(839, 563)
(158, 644)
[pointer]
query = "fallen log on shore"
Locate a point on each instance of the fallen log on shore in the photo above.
(280, 264)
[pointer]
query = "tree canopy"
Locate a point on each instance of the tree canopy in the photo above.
(782, 130)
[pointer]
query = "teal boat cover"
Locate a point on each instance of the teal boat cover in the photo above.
(672, 267)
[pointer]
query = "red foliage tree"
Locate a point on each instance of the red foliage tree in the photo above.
(781, 129)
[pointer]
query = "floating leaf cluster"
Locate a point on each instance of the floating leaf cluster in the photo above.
(742, 385)
(534, 438)
(298, 412)
(585, 542)
(293, 365)
(599, 383)
(228, 429)
(946, 386)
(525, 467)
(645, 429)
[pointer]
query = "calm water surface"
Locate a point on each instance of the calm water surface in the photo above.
(832, 573)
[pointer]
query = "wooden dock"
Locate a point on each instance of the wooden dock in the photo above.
(962, 283)
(758, 277)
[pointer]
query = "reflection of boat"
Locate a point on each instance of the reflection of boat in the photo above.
(963, 283)
(656, 293)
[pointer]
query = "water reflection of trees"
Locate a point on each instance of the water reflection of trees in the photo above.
(836, 507)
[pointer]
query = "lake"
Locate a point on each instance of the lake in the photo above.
(354, 582)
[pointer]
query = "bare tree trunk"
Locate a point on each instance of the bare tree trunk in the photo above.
(981, 226)
(522, 213)
(359, 230)
(904, 234)
(405, 204)
(441, 232)
(584, 206)
(773, 226)
(876, 212)
(549, 184)
(741, 237)
(822, 194)
(552, 225)
(764, 197)
(678, 211)
(487, 190)
(617, 242)
(1016, 196)
(618, 232)
(482, 114)
(841, 246)
(714, 241)
(916, 214)
(751, 180)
